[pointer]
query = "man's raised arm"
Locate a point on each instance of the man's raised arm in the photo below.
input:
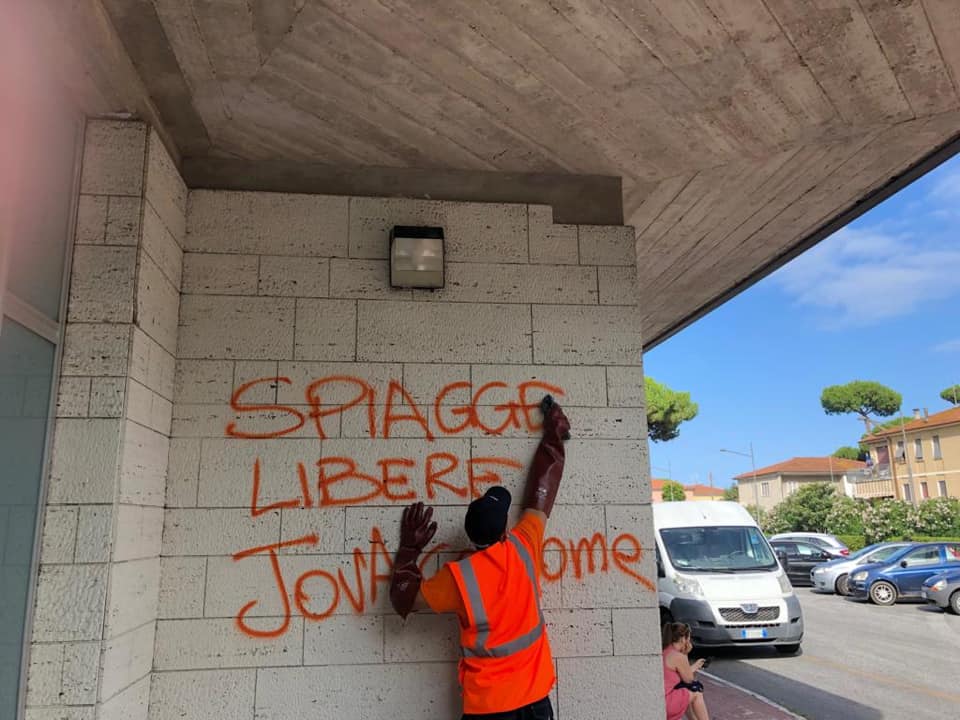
(546, 470)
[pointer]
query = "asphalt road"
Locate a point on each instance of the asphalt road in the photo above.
(858, 662)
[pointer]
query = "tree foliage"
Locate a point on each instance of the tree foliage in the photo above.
(805, 510)
(673, 492)
(868, 521)
(951, 394)
(732, 493)
(937, 516)
(846, 516)
(666, 410)
(863, 397)
(887, 520)
(848, 453)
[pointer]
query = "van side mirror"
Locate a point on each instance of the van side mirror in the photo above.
(660, 571)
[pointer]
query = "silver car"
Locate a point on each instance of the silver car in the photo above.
(832, 576)
(943, 590)
(828, 542)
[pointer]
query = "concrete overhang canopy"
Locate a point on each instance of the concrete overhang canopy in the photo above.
(741, 129)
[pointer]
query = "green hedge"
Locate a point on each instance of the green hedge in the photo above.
(855, 542)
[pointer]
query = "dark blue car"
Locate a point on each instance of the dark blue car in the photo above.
(902, 574)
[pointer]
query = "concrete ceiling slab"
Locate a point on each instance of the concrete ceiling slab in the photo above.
(739, 128)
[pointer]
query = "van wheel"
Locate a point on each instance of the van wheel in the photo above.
(883, 593)
(791, 649)
(955, 602)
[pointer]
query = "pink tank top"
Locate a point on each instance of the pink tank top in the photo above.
(670, 677)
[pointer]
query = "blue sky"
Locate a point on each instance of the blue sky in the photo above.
(878, 300)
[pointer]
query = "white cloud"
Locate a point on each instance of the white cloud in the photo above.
(860, 277)
(948, 346)
(948, 187)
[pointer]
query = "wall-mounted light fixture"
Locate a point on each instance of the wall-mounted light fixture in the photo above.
(416, 257)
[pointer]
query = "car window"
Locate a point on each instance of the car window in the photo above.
(788, 547)
(881, 554)
(819, 542)
(806, 550)
(953, 553)
(923, 556)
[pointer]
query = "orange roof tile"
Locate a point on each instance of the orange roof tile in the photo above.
(805, 466)
(947, 417)
(657, 485)
(699, 489)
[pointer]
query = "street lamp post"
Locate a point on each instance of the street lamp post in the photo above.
(753, 467)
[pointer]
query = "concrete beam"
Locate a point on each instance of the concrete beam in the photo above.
(576, 199)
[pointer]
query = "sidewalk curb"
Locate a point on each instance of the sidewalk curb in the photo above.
(761, 698)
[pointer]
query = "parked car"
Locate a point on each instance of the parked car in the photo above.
(828, 542)
(800, 558)
(833, 576)
(902, 574)
(943, 590)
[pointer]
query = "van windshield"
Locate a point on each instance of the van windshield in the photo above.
(718, 549)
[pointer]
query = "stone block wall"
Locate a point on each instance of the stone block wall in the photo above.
(245, 408)
(96, 603)
(312, 402)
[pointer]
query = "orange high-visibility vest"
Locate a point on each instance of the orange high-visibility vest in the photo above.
(506, 661)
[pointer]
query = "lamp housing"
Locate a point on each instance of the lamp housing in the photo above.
(416, 257)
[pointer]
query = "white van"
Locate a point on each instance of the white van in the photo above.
(718, 574)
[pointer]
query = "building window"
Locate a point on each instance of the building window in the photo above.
(900, 453)
(765, 489)
(918, 449)
(935, 442)
(942, 485)
(924, 490)
(907, 492)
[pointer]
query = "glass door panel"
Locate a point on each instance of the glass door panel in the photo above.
(26, 373)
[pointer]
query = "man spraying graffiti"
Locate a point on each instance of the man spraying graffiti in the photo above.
(506, 668)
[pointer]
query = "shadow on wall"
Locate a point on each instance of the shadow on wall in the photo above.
(801, 698)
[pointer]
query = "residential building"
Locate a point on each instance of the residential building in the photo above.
(695, 491)
(917, 461)
(770, 485)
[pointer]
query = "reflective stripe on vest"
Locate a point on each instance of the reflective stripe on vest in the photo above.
(475, 599)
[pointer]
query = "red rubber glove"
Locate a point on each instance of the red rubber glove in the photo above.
(416, 530)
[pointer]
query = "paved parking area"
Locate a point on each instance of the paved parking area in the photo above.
(859, 662)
